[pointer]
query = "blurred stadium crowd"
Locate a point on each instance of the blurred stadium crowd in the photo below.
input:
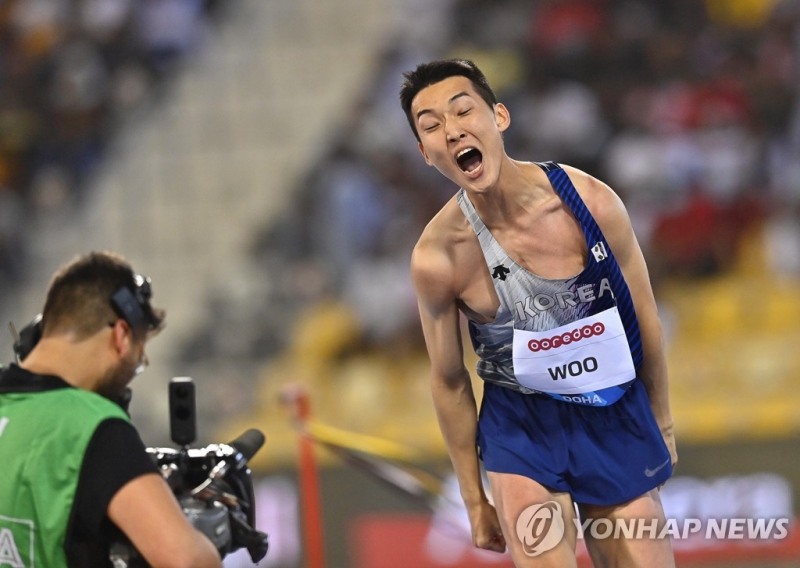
(71, 72)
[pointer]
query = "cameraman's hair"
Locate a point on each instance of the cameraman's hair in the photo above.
(79, 297)
(428, 74)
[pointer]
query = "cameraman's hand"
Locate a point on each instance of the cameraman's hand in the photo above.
(148, 513)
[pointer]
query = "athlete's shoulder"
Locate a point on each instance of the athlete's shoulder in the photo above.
(436, 256)
(446, 229)
(603, 202)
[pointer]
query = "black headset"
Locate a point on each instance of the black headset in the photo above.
(131, 304)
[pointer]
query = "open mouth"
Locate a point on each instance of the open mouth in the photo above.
(469, 160)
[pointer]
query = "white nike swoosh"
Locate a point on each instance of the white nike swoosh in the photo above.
(651, 472)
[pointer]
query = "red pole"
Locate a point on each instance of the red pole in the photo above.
(309, 482)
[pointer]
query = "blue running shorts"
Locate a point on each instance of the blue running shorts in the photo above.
(601, 455)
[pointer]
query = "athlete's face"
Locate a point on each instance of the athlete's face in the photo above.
(460, 135)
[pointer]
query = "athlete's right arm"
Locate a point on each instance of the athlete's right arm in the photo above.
(146, 511)
(454, 401)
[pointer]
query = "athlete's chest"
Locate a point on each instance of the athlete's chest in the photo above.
(555, 249)
(551, 247)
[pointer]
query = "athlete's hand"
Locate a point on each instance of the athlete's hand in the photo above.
(486, 531)
(668, 433)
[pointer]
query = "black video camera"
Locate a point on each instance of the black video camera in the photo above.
(213, 485)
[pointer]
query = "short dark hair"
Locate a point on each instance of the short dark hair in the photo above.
(79, 298)
(433, 72)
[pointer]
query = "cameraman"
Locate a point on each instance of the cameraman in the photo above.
(74, 469)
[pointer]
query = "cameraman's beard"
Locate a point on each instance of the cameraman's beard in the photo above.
(116, 380)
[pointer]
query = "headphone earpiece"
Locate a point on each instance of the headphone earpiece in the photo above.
(128, 308)
(28, 337)
(134, 305)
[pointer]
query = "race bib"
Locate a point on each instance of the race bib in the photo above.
(585, 357)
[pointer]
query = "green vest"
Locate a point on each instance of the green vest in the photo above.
(43, 438)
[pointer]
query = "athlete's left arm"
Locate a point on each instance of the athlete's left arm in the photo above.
(612, 217)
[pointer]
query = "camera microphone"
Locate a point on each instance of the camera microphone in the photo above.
(248, 443)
